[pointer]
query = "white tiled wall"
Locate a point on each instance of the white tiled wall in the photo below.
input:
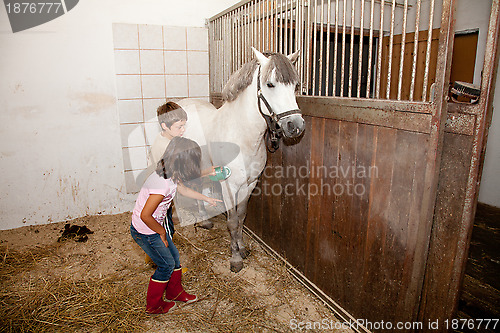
(154, 64)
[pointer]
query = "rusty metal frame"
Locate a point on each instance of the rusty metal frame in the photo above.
(483, 111)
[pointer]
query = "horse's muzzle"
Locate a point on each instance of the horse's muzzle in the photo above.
(292, 126)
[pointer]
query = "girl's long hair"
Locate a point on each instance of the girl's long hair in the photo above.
(181, 160)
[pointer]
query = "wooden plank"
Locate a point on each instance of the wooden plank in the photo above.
(314, 197)
(449, 209)
(375, 266)
(327, 258)
(255, 220)
(342, 221)
(364, 114)
(294, 207)
(359, 207)
(272, 212)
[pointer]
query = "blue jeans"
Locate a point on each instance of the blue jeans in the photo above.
(166, 258)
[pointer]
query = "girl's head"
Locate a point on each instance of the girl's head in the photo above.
(181, 160)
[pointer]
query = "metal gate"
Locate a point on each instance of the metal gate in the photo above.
(374, 205)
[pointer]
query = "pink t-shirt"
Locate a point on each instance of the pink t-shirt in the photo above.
(154, 184)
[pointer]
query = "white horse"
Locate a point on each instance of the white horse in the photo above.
(260, 95)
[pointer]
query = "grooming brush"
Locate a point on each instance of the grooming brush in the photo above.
(467, 90)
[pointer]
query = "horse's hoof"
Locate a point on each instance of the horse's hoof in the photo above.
(244, 253)
(236, 266)
(207, 224)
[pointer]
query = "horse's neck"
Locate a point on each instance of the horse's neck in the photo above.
(244, 110)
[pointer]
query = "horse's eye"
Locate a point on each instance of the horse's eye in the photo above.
(270, 85)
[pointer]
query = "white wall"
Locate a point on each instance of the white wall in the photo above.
(60, 146)
(489, 192)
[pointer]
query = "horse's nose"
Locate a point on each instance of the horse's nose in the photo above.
(291, 127)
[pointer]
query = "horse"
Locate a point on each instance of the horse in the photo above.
(259, 99)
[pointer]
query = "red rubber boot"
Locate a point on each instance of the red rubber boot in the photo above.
(175, 291)
(154, 297)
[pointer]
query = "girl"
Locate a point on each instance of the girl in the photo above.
(179, 163)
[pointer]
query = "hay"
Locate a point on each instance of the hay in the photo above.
(39, 295)
(49, 304)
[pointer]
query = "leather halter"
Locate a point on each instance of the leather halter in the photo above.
(274, 132)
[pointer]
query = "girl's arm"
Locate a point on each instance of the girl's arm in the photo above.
(208, 172)
(187, 192)
(147, 216)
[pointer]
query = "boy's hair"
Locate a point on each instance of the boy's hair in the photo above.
(170, 113)
(181, 160)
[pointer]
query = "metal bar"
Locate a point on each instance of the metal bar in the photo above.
(415, 51)
(290, 34)
(307, 67)
(276, 26)
(240, 36)
(282, 32)
(328, 24)
(320, 82)
(402, 56)
(300, 38)
(285, 37)
(351, 51)
(370, 51)
(428, 52)
(249, 31)
(297, 25)
(315, 46)
(389, 62)
(262, 27)
(342, 65)
(380, 45)
(268, 27)
(360, 56)
(254, 24)
(335, 48)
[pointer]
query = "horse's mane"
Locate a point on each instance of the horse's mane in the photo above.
(242, 78)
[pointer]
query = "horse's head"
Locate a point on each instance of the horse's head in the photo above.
(277, 80)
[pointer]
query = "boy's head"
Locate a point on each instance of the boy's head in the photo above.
(172, 119)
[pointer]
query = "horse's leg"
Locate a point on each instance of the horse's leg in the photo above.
(244, 196)
(205, 222)
(236, 260)
(229, 194)
(241, 213)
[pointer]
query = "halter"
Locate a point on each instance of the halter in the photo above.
(274, 132)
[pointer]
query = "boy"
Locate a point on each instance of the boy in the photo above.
(172, 119)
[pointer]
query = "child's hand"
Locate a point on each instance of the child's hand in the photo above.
(163, 237)
(212, 201)
(209, 172)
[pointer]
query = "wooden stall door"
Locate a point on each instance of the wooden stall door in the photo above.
(351, 205)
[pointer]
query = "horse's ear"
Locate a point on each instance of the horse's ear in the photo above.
(262, 59)
(294, 56)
